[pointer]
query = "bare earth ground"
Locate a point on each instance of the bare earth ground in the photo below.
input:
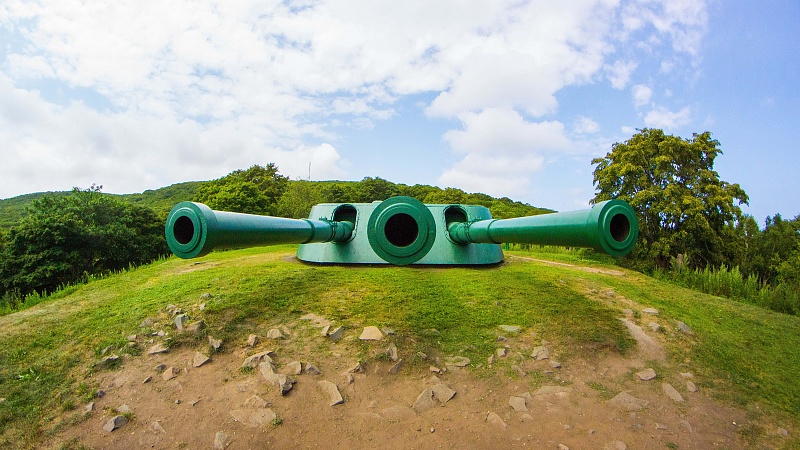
(566, 406)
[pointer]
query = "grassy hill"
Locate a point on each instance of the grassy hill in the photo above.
(745, 357)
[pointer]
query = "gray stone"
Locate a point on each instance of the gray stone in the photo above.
(683, 328)
(146, 323)
(651, 311)
(458, 361)
(157, 427)
(337, 334)
(106, 362)
(156, 349)
(392, 352)
(654, 326)
(254, 360)
(311, 370)
(325, 330)
(686, 426)
(518, 403)
(200, 359)
(252, 340)
(388, 331)
(255, 402)
(616, 445)
(293, 368)
(691, 387)
(540, 353)
(221, 440)
(442, 393)
(495, 420)
(371, 333)
(562, 447)
(424, 401)
(396, 367)
(490, 359)
(646, 375)
(284, 382)
(214, 343)
(180, 321)
(555, 364)
(131, 338)
(170, 373)
(196, 327)
(88, 408)
(357, 368)
(115, 422)
(627, 402)
(254, 417)
(100, 393)
(274, 334)
(510, 328)
(671, 392)
(331, 391)
(501, 352)
(148, 379)
(124, 409)
(160, 368)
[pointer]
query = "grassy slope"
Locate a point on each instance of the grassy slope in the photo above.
(46, 354)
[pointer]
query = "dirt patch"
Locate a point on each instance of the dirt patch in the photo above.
(613, 272)
(567, 405)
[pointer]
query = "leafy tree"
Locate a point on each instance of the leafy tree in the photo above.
(63, 239)
(254, 191)
(682, 205)
(298, 199)
(772, 254)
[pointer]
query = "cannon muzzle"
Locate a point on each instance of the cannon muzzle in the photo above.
(608, 226)
(193, 230)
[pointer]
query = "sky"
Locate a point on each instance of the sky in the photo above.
(509, 98)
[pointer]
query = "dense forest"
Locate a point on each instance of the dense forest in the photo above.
(691, 227)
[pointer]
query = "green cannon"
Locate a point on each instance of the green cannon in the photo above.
(400, 231)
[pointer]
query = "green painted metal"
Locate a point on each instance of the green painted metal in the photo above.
(609, 226)
(400, 231)
(193, 230)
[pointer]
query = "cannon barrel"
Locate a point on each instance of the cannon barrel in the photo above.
(194, 229)
(610, 226)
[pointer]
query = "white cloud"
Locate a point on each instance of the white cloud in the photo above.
(661, 117)
(585, 125)
(620, 72)
(641, 94)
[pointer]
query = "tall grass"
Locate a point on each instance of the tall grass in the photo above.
(731, 283)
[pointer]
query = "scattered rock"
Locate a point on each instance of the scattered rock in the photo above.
(131, 338)
(124, 409)
(221, 440)
(510, 328)
(293, 368)
(157, 427)
(88, 408)
(626, 401)
(146, 323)
(555, 364)
(562, 447)
(325, 330)
(671, 392)
(519, 370)
(783, 432)
(180, 320)
(254, 360)
(442, 393)
(196, 327)
(392, 352)
(424, 401)
(328, 388)
(683, 328)
(518, 403)
(274, 334)
(661, 426)
(616, 445)
(200, 359)
(651, 311)
(214, 343)
(646, 375)
(147, 380)
(495, 420)
(540, 353)
(337, 334)
(691, 387)
(254, 417)
(396, 367)
(388, 331)
(160, 368)
(284, 382)
(501, 352)
(654, 326)
(170, 373)
(115, 422)
(106, 362)
(204, 297)
(312, 370)
(371, 333)
(490, 359)
(435, 369)
(100, 393)
(687, 375)
(686, 426)
(458, 361)
(348, 378)
(255, 402)
(252, 340)
(156, 349)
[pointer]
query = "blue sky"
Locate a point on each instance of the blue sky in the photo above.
(508, 98)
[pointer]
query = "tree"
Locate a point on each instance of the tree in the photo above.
(682, 205)
(255, 190)
(62, 239)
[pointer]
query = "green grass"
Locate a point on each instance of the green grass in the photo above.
(742, 353)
